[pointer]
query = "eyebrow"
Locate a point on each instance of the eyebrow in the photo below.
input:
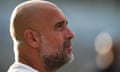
(61, 22)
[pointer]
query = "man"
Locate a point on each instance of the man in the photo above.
(42, 40)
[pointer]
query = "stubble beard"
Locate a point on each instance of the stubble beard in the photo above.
(56, 57)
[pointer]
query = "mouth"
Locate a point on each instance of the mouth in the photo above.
(67, 46)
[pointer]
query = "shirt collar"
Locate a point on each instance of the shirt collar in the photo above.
(27, 67)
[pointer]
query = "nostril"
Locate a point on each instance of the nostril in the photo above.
(68, 34)
(71, 34)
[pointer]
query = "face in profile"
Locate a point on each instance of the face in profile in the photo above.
(56, 49)
(56, 54)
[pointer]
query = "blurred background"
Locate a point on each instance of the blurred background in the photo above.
(96, 24)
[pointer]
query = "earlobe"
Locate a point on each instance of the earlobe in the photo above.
(31, 38)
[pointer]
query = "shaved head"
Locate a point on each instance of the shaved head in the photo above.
(41, 36)
(30, 15)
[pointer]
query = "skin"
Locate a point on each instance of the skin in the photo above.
(41, 37)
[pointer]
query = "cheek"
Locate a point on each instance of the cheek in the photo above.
(56, 40)
(51, 50)
(52, 44)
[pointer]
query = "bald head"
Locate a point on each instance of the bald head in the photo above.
(32, 15)
(41, 36)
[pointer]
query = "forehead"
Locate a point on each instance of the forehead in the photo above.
(53, 15)
(44, 15)
(57, 16)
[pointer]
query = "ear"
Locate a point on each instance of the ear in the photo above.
(32, 38)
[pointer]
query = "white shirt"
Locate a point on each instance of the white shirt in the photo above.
(19, 67)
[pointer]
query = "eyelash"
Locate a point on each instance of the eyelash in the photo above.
(59, 27)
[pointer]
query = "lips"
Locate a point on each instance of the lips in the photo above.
(67, 46)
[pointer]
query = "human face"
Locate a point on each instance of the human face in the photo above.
(56, 49)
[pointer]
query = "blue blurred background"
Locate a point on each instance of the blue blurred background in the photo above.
(87, 19)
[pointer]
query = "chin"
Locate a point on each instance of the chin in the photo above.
(70, 58)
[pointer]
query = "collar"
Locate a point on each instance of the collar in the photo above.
(24, 67)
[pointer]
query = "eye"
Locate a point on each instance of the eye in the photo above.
(59, 27)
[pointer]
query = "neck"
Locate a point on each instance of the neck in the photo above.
(31, 57)
(32, 62)
(36, 66)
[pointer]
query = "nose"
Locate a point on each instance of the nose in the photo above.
(69, 34)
